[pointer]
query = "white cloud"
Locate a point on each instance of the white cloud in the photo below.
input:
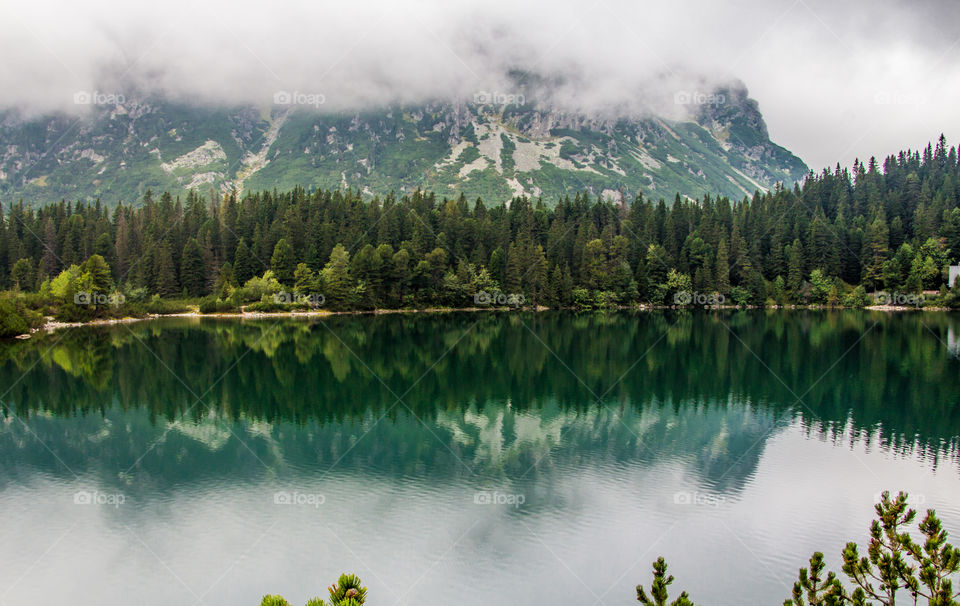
(833, 81)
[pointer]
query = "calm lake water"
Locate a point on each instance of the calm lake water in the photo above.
(499, 458)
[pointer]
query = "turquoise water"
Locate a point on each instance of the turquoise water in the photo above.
(465, 458)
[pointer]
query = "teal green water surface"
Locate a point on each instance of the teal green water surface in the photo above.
(456, 458)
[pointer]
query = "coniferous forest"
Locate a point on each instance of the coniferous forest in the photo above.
(892, 226)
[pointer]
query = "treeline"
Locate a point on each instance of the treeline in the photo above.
(842, 234)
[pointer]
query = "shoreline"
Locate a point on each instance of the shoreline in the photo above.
(52, 325)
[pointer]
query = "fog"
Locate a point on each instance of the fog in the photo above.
(833, 82)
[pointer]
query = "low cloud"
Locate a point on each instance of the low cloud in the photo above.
(833, 81)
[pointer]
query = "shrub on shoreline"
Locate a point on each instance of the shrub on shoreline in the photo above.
(212, 305)
(16, 319)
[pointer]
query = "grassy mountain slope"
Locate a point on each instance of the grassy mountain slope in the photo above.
(117, 152)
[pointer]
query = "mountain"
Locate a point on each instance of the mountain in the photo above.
(494, 146)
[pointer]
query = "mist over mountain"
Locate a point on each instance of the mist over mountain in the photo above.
(835, 81)
(523, 139)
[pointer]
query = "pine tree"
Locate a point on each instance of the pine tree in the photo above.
(22, 274)
(49, 263)
(795, 271)
(339, 286)
(123, 244)
(104, 247)
(723, 268)
(243, 265)
(566, 287)
(512, 281)
(192, 270)
(101, 279)
(914, 282)
(537, 276)
(741, 265)
(304, 280)
(367, 267)
(877, 241)
(401, 275)
(594, 265)
(226, 282)
(282, 262)
(166, 284)
(498, 265)
(893, 564)
(553, 296)
(658, 589)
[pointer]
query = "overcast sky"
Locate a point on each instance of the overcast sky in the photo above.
(834, 82)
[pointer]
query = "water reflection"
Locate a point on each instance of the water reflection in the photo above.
(490, 394)
(626, 434)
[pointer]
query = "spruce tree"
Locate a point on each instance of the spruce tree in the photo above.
(722, 281)
(367, 267)
(101, 279)
(192, 270)
(282, 262)
(795, 271)
(243, 265)
(166, 284)
(339, 286)
(22, 274)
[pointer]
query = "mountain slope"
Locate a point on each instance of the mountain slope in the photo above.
(117, 152)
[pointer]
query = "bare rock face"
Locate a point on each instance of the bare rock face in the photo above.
(494, 148)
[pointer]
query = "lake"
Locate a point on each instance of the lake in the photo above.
(456, 458)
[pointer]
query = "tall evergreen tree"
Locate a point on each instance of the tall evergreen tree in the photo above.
(339, 286)
(795, 276)
(101, 279)
(282, 262)
(722, 283)
(192, 270)
(166, 284)
(243, 265)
